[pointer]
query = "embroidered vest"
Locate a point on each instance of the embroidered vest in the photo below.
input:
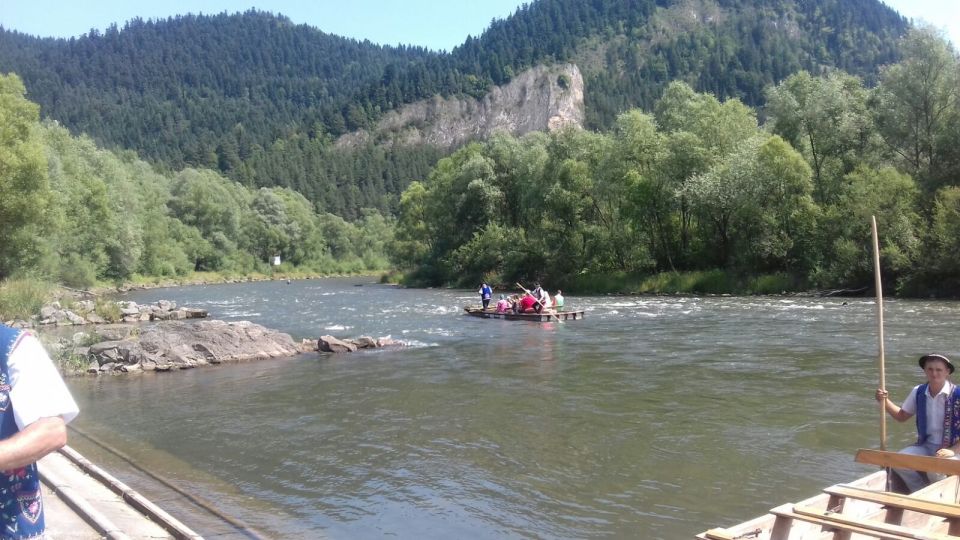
(21, 508)
(951, 417)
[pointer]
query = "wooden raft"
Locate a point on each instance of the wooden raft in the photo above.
(863, 509)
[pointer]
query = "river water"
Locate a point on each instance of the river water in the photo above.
(653, 417)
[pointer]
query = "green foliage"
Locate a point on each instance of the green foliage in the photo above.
(828, 121)
(23, 298)
(109, 310)
(770, 284)
(699, 282)
(77, 272)
(24, 188)
(918, 109)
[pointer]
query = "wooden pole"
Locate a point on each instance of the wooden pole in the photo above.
(883, 374)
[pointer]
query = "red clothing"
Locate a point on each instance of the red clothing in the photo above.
(527, 303)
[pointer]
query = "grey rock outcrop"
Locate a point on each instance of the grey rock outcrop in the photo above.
(543, 98)
(178, 345)
(331, 344)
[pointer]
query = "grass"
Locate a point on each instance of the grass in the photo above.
(697, 282)
(110, 311)
(23, 298)
(65, 354)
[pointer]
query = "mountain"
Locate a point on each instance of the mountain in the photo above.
(189, 89)
(263, 99)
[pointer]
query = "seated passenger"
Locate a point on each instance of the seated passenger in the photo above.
(515, 303)
(503, 305)
(527, 304)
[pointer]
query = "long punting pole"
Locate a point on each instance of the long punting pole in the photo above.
(883, 375)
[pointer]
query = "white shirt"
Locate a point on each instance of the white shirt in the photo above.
(36, 388)
(936, 408)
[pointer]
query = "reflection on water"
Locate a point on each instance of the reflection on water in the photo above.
(653, 417)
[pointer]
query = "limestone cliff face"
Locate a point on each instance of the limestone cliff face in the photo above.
(540, 99)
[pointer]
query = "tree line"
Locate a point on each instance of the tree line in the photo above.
(77, 214)
(698, 183)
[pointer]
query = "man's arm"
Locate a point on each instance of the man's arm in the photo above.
(33, 442)
(896, 412)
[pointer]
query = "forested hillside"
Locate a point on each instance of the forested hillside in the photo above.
(700, 187)
(259, 98)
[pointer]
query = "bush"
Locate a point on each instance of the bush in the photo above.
(77, 272)
(109, 310)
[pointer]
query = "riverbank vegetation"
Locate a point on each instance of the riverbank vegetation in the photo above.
(699, 195)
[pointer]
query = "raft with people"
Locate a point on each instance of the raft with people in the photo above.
(543, 316)
(536, 305)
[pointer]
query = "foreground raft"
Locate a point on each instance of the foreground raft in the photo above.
(863, 509)
(491, 313)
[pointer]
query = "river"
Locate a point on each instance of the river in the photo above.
(653, 417)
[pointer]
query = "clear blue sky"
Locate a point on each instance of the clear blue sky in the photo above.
(436, 24)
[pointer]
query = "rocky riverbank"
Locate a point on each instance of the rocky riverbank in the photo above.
(83, 312)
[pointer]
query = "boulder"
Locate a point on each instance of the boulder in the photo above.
(74, 318)
(364, 342)
(117, 352)
(333, 345)
(184, 344)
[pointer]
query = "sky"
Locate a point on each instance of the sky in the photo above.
(436, 24)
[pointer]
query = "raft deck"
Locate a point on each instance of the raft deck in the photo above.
(491, 313)
(863, 508)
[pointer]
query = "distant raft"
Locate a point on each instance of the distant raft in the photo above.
(545, 316)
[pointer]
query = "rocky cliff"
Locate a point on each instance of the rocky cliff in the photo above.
(540, 99)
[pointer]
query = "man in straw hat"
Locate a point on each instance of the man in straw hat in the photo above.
(938, 427)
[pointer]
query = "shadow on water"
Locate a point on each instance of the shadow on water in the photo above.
(653, 417)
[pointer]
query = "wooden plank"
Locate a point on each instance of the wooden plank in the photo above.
(897, 500)
(718, 534)
(906, 461)
(880, 529)
(789, 513)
